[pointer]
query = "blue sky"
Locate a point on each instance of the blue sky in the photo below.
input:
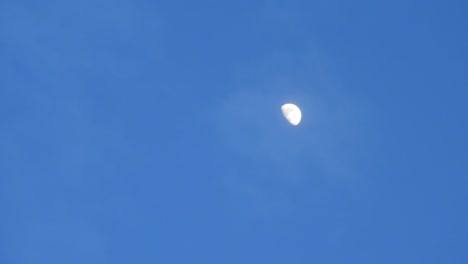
(151, 132)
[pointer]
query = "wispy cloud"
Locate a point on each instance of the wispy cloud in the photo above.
(60, 134)
(280, 162)
(84, 42)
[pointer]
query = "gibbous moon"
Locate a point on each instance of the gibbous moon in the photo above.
(292, 113)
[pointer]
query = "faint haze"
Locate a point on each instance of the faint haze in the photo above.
(152, 132)
(326, 149)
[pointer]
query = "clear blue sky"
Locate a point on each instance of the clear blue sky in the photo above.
(151, 132)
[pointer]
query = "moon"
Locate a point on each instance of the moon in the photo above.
(292, 113)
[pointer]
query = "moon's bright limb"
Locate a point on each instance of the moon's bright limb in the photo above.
(292, 113)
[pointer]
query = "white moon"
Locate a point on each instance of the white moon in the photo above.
(292, 113)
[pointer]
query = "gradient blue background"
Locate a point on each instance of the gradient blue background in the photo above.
(151, 132)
